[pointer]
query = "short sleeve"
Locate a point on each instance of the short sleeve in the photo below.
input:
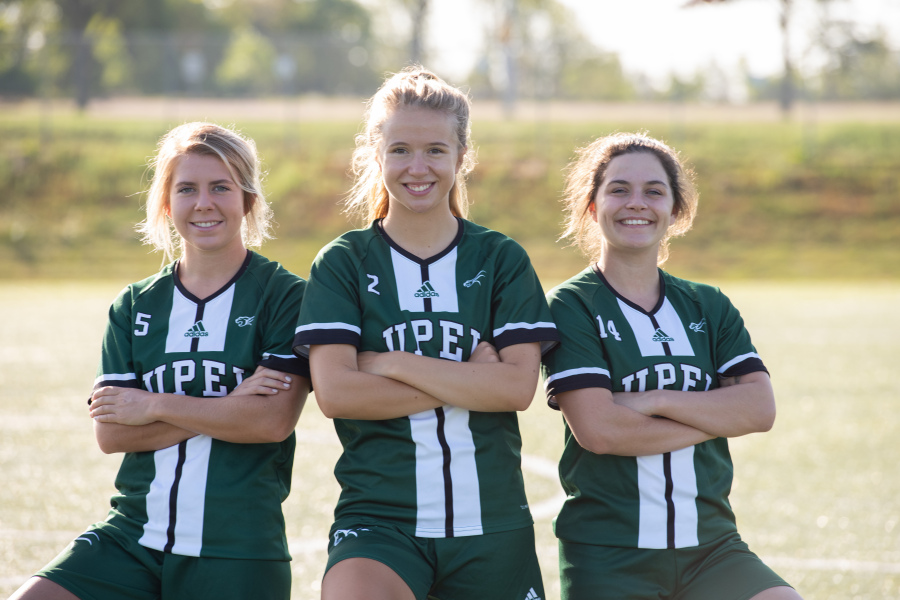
(330, 313)
(284, 298)
(579, 361)
(116, 361)
(735, 354)
(519, 310)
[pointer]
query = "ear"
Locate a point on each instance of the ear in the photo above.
(592, 208)
(249, 199)
(461, 158)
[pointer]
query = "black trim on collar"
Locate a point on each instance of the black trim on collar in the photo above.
(659, 302)
(221, 290)
(422, 261)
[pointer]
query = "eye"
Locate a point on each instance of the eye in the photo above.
(398, 151)
(436, 150)
(185, 189)
(221, 188)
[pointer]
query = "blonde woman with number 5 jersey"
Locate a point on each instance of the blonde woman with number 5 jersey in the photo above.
(199, 389)
(424, 333)
(652, 375)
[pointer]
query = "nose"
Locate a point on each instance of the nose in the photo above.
(417, 165)
(204, 200)
(636, 200)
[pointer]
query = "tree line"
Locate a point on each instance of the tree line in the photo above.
(237, 48)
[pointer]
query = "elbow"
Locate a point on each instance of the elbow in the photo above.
(328, 404)
(766, 419)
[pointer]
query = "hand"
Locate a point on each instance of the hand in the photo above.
(371, 362)
(636, 401)
(263, 382)
(484, 353)
(125, 406)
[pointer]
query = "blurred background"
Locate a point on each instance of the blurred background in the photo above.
(787, 110)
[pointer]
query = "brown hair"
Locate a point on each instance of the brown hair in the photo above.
(585, 174)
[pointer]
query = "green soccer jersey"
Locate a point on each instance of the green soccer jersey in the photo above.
(445, 472)
(204, 497)
(692, 336)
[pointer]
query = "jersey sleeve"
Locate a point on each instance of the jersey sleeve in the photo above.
(330, 313)
(284, 298)
(116, 362)
(579, 361)
(519, 309)
(735, 354)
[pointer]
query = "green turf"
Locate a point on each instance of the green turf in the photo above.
(817, 496)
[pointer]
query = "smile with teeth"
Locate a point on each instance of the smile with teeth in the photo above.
(418, 187)
(206, 224)
(635, 222)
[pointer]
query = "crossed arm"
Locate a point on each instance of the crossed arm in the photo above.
(629, 423)
(386, 385)
(263, 408)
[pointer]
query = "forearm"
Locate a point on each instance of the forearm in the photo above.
(745, 406)
(358, 395)
(112, 437)
(237, 419)
(508, 384)
(604, 427)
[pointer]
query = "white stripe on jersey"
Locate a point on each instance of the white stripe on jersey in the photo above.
(654, 514)
(573, 372)
(644, 330)
(216, 315)
(511, 326)
(312, 326)
(736, 360)
(157, 499)
(441, 275)
(115, 377)
(191, 498)
(431, 515)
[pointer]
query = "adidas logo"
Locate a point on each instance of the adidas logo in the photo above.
(660, 336)
(532, 595)
(426, 291)
(197, 330)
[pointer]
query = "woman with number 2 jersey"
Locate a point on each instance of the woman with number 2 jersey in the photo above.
(424, 333)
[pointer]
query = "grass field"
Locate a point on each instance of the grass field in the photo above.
(818, 496)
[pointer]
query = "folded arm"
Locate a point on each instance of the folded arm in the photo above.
(487, 382)
(264, 408)
(343, 391)
(741, 405)
(602, 426)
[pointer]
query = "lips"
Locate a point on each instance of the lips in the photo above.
(418, 188)
(206, 224)
(635, 222)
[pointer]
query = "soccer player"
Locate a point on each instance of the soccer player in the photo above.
(424, 334)
(199, 387)
(652, 375)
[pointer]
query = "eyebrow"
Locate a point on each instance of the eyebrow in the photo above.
(401, 143)
(654, 182)
(216, 182)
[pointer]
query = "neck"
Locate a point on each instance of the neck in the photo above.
(423, 235)
(203, 274)
(636, 277)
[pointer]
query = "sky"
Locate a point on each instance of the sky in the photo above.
(661, 37)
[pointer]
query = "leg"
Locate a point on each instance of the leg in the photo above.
(782, 592)
(39, 588)
(364, 579)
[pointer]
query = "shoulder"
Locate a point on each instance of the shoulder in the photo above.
(158, 281)
(265, 271)
(490, 240)
(699, 292)
(582, 287)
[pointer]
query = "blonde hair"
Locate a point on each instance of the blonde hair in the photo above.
(585, 174)
(237, 152)
(413, 87)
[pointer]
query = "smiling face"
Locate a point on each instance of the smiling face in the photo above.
(419, 158)
(206, 205)
(634, 204)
